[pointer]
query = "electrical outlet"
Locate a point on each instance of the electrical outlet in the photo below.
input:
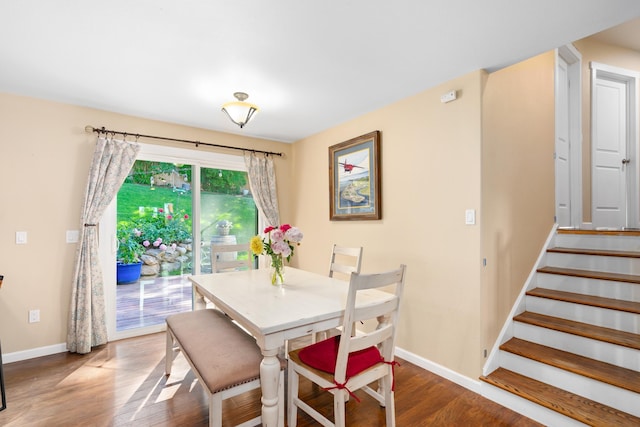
(34, 316)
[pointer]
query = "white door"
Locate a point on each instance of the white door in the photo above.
(613, 142)
(562, 166)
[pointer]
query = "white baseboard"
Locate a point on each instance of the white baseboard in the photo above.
(34, 352)
(453, 376)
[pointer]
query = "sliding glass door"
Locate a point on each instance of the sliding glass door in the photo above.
(172, 207)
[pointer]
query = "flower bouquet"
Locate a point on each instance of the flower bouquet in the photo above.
(279, 243)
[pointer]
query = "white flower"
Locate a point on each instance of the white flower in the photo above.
(293, 235)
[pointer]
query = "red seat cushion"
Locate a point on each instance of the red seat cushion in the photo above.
(322, 355)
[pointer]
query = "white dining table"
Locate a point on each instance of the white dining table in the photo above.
(306, 303)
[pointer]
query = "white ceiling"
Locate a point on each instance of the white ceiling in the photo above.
(309, 65)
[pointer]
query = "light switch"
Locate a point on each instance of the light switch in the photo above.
(73, 236)
(470, 216)
(21, 237)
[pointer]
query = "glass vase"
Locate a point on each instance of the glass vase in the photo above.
(276, 272)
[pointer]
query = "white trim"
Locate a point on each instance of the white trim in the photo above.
(442, 371)
(573, 58)
(34, 352)
(631, 79)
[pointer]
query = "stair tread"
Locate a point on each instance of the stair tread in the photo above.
(613, 336)
(571, 405)
(603, 275)
(599, 252)
(591, 300)
(587, 367)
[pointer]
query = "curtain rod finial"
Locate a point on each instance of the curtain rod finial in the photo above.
(88, 129)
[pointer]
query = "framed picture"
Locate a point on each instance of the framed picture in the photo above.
(354, 178)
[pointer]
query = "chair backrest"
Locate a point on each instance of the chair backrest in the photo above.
(226, 257)
(345, 260)
(385, 313)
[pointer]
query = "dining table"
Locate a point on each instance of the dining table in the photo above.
(305, 304)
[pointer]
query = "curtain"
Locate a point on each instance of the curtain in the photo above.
(112, 161)
(262, 180)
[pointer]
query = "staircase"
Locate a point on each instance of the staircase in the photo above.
(570, 353)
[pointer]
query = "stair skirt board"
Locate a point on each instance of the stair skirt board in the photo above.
(595, 287)
(606, 318)
(624, 400)
(610, 353)
(527, 408)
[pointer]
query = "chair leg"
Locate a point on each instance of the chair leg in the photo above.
(281, 399)
(390, 408)
(292, 394)
(169, 354)
(339, 408)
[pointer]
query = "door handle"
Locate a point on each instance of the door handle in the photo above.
(625, 162)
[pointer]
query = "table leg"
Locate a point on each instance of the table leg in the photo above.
(198, 302)
(269, 378)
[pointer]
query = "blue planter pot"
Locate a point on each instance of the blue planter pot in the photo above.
(128, 273)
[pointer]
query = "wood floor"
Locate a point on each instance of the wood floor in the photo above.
(123, 384)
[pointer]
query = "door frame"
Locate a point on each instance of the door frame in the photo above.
(573, 58)
(107, 229)
(630, 79)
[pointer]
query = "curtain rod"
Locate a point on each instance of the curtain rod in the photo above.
(196, 143)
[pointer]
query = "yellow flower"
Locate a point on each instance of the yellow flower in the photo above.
(256, 245)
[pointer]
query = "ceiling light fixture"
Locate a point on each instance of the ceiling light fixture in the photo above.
(240, 112)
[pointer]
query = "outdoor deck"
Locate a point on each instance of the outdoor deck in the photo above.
(148, 302)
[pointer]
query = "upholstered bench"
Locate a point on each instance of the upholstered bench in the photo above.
(224, 358)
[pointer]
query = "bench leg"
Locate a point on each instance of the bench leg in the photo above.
(215, 410)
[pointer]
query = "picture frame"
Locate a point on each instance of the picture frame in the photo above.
(354, 179)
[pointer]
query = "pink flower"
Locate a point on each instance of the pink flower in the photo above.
(173, 246)
(160, 210)
(169, 217)
(285, 227)
(280, 247)
(268, 229)
(163, 247)
(137, 232)
(146, 243)
(186, 216)
(277, 235)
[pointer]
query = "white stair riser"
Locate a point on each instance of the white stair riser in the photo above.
(609, 264)
(580, 285)
(527, 408)
(619, 243)
(606, 394)
(614, 354)
(619, 320)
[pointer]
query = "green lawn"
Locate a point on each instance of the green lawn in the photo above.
(240, 210)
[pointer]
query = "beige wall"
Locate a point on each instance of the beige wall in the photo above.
(44, 161)
(595, 51)
(430, 155)
(517, 182)
(437, 161)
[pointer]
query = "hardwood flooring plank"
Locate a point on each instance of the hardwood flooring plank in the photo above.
(123, 384)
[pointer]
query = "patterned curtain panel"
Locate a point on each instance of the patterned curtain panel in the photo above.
(262, 179)
(112, 161)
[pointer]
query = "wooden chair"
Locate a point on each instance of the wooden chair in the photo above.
(345, 260)
(345, 363)
(225, 258)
